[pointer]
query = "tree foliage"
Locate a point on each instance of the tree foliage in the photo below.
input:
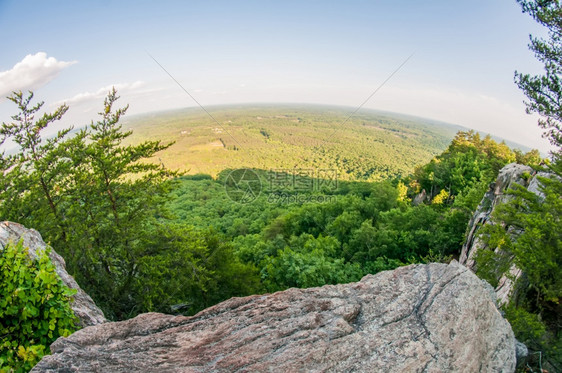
(139, 237)
(34, 308)
(527, 230)
(468, 161)
(360, 227)
(102, 204)
(545, 91)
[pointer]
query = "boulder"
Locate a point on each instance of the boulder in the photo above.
(419, 318)
(83, 305)
(521, 351)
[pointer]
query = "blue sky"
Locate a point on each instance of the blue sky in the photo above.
(285, 51)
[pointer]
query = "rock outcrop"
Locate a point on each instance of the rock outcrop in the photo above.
(84, 307)
(420, 318)
(508, 176)
(420, 198)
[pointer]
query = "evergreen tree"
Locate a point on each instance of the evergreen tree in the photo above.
(30, 178)
(545, 91)
(115, 197)
(527, 231)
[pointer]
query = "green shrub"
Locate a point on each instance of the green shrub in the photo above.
(34, 308)
(544, 343)
(527, 326)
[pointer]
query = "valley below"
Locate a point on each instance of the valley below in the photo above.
(368, 146)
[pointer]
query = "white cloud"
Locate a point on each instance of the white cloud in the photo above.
(32, 72)
(100, 93)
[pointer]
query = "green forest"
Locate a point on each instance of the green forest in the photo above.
(139, 237)
(369, 146)
(148, 224)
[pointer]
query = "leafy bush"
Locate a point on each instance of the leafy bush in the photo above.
(34, 308)
(544, 343)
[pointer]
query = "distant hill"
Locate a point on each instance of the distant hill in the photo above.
(369, 146)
